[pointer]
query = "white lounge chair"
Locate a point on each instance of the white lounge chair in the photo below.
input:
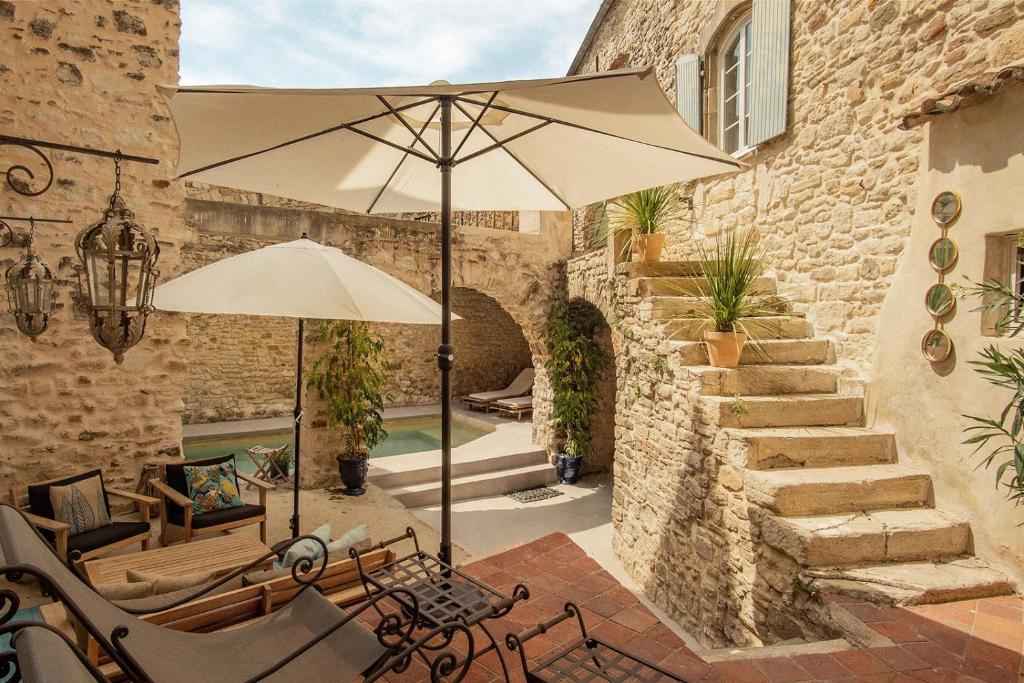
(520, 386)
(514, 407)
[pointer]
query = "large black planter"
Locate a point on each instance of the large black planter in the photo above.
(353, 475)
(568, 467)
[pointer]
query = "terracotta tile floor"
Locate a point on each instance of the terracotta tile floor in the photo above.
(960, 642)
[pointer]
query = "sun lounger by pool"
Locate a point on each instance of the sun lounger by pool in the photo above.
(514, 407)
(520, 386)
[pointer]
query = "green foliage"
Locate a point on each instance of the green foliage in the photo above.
(576, 361)
(737, 406)
(350, 376)
(640, 214)
(996, 296)
(731, 269)
(806, 588)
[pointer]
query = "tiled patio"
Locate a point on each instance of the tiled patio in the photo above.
(969, 641)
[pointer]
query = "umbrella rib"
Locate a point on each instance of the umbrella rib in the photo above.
(520, 162)
(419, 135)
(401, 161)
(501, 144)
(476, 122)
(570, 124)
(326, 131)
(400, 148)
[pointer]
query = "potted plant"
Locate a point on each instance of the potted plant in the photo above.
(644, 216)
(728, 296)
(350, 375)
(574, 365)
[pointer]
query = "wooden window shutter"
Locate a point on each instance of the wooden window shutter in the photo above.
(688, 89)
(770, 82)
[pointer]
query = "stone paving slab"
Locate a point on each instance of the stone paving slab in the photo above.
(971, 641)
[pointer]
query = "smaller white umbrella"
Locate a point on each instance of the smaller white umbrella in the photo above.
(299, 279)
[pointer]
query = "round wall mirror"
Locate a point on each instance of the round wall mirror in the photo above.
(943, 254)
(936, 346)
(945, 208)
(940, 299)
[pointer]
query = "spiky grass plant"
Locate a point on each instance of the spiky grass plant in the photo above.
(728, 296)
(640, 214)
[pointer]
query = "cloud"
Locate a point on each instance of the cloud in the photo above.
(348, 43)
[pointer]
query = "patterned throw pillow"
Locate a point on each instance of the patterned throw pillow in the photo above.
(80, 505)
(212, 487)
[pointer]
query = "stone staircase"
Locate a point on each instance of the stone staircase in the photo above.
(835, 497)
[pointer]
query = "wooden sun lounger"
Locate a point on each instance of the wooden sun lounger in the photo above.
(514, 407)
(520, 386)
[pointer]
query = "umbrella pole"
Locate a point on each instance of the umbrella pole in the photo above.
(445, 352)
(294, 524)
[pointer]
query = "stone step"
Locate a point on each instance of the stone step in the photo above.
(784, 447)
(916, 583)
(832, 490)
(772, 351)
(687, 286)
(795, 410)
(766, 380)
(669, 307)
(635, 269)
(477, 485)
(384, 474)
(768, 327)
(868, 537)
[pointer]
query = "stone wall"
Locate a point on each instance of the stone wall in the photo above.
(83, 72)
(834, 195)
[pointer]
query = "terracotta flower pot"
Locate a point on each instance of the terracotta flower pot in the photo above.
(724, 348)
(649, 247)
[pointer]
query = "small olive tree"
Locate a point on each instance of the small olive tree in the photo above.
(350, 375)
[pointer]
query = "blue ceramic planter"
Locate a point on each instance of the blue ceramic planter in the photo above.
(568, 467)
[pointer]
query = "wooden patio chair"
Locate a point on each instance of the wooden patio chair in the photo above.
(34, 501)
(520, 386)
(176, 518)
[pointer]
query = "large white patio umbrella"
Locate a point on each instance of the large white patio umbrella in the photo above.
(299, 279)
(548, 145)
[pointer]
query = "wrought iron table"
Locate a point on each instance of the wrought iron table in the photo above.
(444, 594)
(584, 659)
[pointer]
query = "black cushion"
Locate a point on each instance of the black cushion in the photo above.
(105, 535)
(176, 515)
(39, 494)
(175, 474)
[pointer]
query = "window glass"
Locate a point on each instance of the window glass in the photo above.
(736, 77)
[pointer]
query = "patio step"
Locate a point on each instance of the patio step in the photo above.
(635, 269)
(833, 490)
(868, 537)
(916, 583)
(765, 380)
(795, 410)
(785, 447)
(687, 286)
(477, 485)
(669, 307)
(772, 352)
(384, 476)
(768, 327)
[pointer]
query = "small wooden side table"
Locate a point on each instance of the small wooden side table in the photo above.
(218, 555)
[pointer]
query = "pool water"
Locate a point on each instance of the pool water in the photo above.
(404, 436)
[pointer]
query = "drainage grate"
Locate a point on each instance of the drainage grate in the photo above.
(533, 495)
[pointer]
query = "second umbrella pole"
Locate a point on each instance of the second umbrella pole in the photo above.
(445, 352)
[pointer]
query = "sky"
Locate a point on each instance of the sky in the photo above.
(353, 43)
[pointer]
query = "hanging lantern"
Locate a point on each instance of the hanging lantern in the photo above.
(30, 290)
(118, 255)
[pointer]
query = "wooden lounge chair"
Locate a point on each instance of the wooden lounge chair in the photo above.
(514, 407)
(520, 386)
(304, 639)
(34, 501)
(177, 520)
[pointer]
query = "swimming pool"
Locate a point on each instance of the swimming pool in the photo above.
(406, 435)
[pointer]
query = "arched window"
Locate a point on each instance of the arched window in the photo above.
(736, 76)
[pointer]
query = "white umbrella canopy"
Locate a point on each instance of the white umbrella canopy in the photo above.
(298, 279)
(541, 145)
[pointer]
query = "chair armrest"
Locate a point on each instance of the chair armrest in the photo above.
(170, 494)
(265, 485)
(134, 497)
(44, 523)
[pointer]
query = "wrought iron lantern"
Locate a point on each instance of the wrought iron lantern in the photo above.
(30, 290)
(118, 256)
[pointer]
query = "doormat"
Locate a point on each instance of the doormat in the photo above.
(533, 495)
